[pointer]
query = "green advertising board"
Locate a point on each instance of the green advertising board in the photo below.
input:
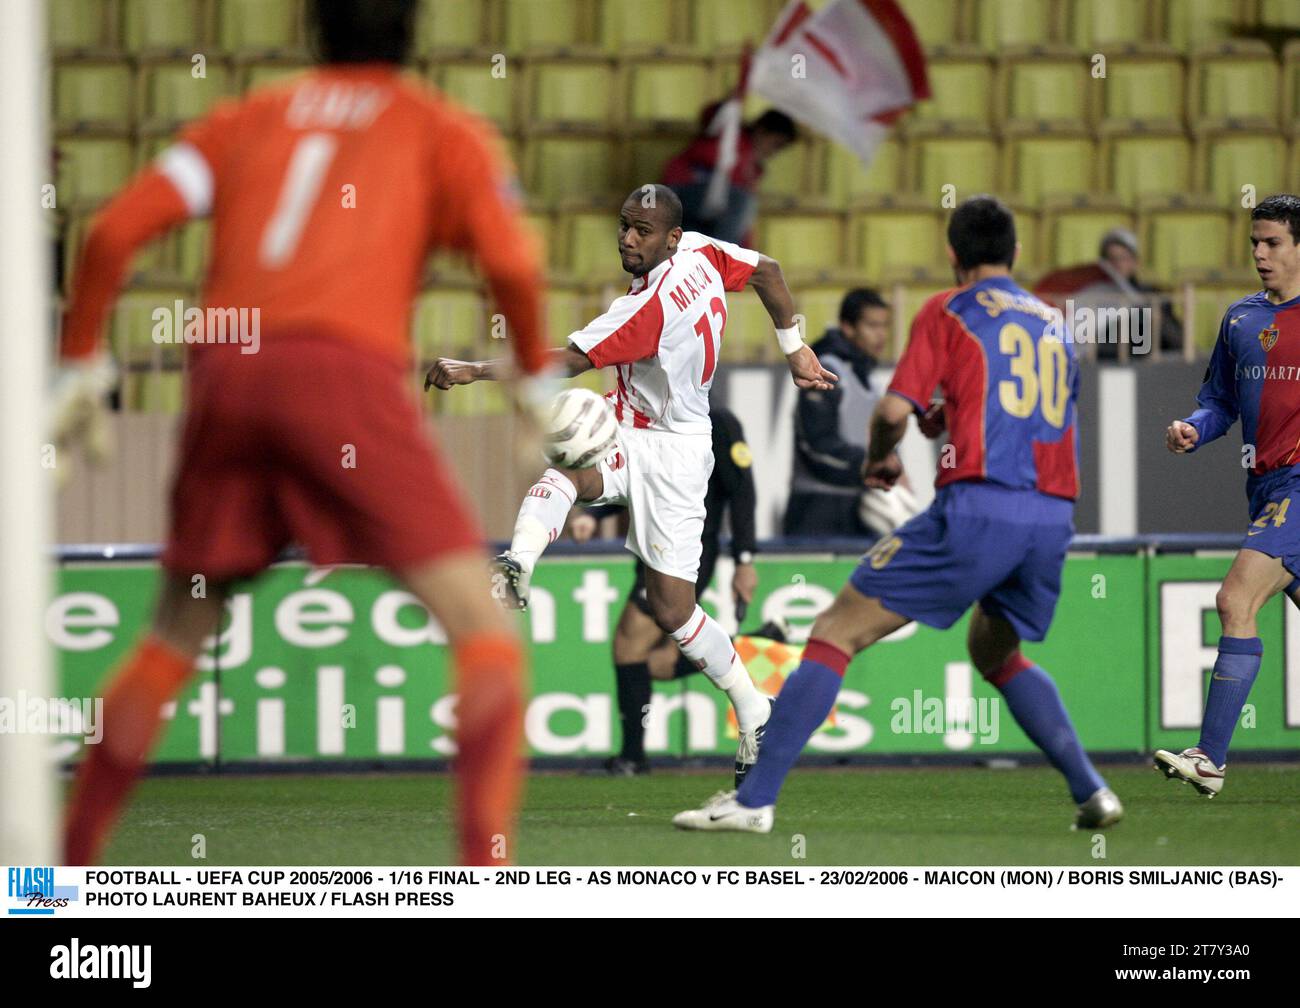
(317, 665)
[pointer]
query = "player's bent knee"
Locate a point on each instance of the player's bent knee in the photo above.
(1234, 603)
(589, 484)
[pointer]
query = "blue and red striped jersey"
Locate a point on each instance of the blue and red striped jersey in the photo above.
(1009, 379)
(1254, 373)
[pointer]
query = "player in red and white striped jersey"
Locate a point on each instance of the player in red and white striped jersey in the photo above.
(663, 337)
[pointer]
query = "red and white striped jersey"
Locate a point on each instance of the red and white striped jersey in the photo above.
(664, 335)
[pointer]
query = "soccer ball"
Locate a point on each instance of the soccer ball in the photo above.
(580, 429)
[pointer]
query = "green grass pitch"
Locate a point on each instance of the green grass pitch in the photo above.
(929, 816)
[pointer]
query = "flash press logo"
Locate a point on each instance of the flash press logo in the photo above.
(75, 961)
(32, 892)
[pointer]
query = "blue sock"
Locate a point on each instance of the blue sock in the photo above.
(1234, 674)
(1036, 705)
(805, 700)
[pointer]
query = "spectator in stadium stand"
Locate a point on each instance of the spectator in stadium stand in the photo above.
(1112, 282)
(688, 174)
(827, 493)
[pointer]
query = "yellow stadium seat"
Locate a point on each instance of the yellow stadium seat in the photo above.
(1046, 89)
(245, 26)
(192, 250)
(154, 391)
(967, 164)
(662, 90)
(482, 399)
(544, 24)
(88, 95)
(591, 242)
(787, 174)
(571, 91)
(471, 82)
(819, 303)
(726, 25)
(1279, 14)
(1039, 165)
(625, 25)
(1291, 87)
(1211, 298)
(90, 170)
(845, 179)
(1241, 86)
(802, 241)
(80, 25)
(559, 167)
(961, 91)
(173, 95)
(887, 242)
(258, 75)
(1003, 23)
(1094, 24)
(177, 257)
(1072, 233)
(748, 336)
(1236, 87)
(1143, 88)
(647, 152)
(1181, 235)
(134, 318)
(449, 322)
(542, 227)
(936, 22)
(567, 311)
(1231, 161)
(1142, 164)
(905, 299)
(451, 25)
(1189, 24)
(1029, 261)
(174, 26)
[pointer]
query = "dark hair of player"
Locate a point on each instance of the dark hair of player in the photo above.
(856, 302)
(982, 232)
(1283, 208)
(362, 31)
(777, 123)
(664, 199)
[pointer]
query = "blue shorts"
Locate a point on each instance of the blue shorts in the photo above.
(978, 542)
(1275, 517)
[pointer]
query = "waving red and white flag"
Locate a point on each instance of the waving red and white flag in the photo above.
(847, 71)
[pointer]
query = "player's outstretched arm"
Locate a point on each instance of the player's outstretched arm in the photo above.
(1180, 437)
(447, 372)
(770, 286)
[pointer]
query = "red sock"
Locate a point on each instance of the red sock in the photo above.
(490, 763)
(152, 675)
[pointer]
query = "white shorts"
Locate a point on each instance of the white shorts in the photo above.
(663, 479)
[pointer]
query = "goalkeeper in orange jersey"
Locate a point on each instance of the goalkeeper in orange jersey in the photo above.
(270, 420)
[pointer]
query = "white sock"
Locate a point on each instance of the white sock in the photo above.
(542, 516)
(703, 641)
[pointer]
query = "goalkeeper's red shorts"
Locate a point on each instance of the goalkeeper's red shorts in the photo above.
(312, 443)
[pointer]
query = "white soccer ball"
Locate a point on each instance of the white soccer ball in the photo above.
(580, 429)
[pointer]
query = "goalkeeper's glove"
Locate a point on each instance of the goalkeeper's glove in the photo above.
(77, 411)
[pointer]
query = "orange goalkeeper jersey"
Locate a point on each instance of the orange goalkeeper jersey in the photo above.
(326, 195)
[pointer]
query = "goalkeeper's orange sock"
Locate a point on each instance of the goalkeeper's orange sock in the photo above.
(490, 762)
(152, 675)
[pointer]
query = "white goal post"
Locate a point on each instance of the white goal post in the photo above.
(27, 775)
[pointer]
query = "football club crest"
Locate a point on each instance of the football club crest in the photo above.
(1268, 337)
